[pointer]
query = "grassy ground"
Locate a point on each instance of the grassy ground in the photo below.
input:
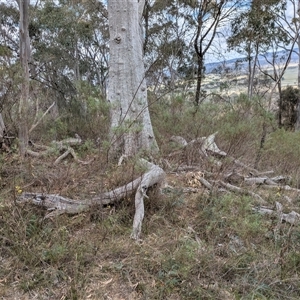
(204, 245)
(290, 76)
(289, 79)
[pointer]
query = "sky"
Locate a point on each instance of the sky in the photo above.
(220, 43)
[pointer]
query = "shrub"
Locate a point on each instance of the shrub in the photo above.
(288, 103)
(282, 152)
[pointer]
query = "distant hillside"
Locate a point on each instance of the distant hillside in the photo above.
(231, 63)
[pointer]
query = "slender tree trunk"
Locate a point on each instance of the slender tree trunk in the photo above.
(76, 65)
(24, 59)
(298, 42)
(280, 106)
(131, 128)
(199, 52)
(249, 72)
(199, 80)
(252, 73)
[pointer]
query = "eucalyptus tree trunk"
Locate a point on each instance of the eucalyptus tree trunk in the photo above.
(298, 42)
(252, 73)
(131, 128)
(24, 59)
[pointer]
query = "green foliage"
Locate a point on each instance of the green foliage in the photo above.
(240, 123)
(243, 121)
(288, 104)
(256, 29)
(282, 152)
(58, 130)
(204, 245)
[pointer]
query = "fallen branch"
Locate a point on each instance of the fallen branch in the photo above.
(292, 218)
(155, 175)
(205, 143)
(41, 118)
(64, 145)
(282, 188)
(239, 190)
(59, 205)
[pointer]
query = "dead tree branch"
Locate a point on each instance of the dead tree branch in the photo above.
(58, 204)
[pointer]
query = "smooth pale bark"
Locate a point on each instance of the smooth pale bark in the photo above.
(297, 125)
(24, 59)
(131, 128)
(298, 41)
(2, 127)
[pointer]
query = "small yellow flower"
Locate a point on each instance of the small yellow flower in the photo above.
(18, 189)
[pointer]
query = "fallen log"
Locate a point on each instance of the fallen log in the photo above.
(241, 191)
(64, 145)
(58, 204)
(292, 217)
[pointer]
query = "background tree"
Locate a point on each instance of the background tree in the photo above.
(290, 98)
(24, 59)
(70, 41)
(68, 65)
(253, 31)
(210, 16)
(9, 52)
(290, 23)
(167, 43)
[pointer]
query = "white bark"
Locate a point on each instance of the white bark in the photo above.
(37, 122)
(297, 125)
(2, 127)
(131, 128)
(202, 147)
(298, 42)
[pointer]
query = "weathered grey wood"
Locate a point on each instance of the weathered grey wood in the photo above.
(64, 145)
(281, 187)
(179, 140)
(203, 144)
(56, 203)
(206, 183)
(59, 204)
(292, 217)
(37, 122)
(239, 190)
(259, 180)
(154, 176)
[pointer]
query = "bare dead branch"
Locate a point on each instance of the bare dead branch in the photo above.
(41, 118)
(59, 204)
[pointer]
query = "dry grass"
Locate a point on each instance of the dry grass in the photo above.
(194, 245)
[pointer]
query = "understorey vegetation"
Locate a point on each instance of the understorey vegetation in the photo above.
(138, 161)
(197, 241)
